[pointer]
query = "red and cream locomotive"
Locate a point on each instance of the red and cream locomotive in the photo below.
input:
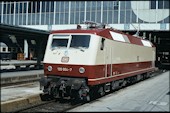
(80, 63)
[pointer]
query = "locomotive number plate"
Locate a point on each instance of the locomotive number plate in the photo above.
(65, 59)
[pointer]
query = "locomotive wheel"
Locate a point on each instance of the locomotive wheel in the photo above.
(114, 85)
(124, 83)
(54, 93)
(45, 97)
(87, 98)
(101, 91)
(61, 95)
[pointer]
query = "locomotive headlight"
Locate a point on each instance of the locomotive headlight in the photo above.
(81, 70)
(49, 68)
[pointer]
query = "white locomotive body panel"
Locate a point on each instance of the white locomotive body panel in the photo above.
(119, 52)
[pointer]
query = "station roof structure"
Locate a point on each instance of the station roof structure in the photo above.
(21, 31)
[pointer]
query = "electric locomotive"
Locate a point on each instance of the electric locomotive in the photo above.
(81, 63)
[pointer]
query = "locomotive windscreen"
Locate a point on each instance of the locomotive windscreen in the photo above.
(76, 41)
(59, 42)
(80, 41)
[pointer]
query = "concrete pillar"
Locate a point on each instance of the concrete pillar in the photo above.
(144, 35)
(150, 38)
(159, 40)
(25, 49)
(41, 46)
(154, 39)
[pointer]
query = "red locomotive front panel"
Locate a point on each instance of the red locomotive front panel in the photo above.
(66, 70)
(81, 71)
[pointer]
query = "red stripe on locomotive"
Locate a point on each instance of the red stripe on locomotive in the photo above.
(93, 72)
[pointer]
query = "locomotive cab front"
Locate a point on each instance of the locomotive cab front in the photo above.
(67, 62)
(66, 55)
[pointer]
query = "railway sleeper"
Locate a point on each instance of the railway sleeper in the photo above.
(27, 67)
(17, 68)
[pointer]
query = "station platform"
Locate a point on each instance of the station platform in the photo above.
(13, 64)
(11, 75)
(14, 97)
(21, 76)
(20, 96)
(17, 62)
(21, 73)
(151, 95)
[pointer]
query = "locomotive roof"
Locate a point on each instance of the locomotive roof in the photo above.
(106, 33)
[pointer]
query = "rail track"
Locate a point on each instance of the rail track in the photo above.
(63, 105)
(53, 106)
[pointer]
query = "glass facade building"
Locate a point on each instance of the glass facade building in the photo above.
(75, 12)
